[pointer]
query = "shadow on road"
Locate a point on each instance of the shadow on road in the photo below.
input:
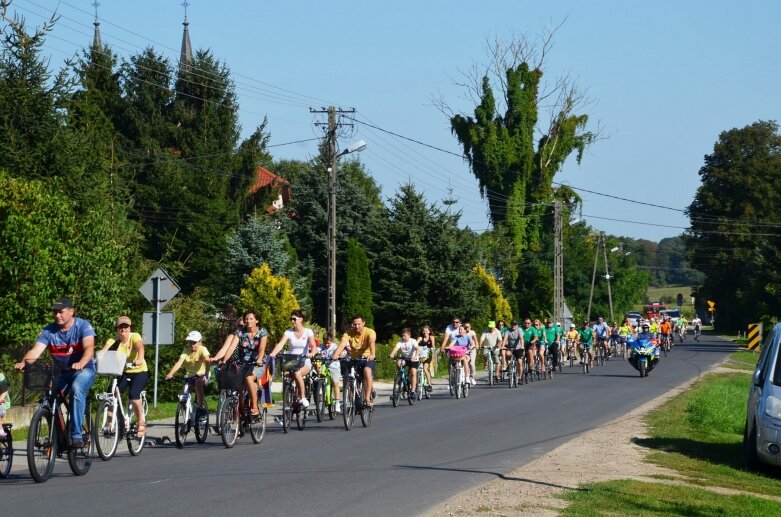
(497, 474)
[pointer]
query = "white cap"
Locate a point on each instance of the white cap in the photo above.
(572, 326)
(194, 336)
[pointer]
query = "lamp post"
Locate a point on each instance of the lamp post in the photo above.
(357, 147)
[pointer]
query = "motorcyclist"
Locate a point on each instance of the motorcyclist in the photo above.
(645, 333)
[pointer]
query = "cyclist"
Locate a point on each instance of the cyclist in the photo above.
(572, 337)
(530, 341)
(427, 343)
(464, 341)
(451, 331)
(601, 329)
(302, 343)
(512, 344)
(665, 331)
(472, 351)
(246, 350)
(410, 351)
(551, 340)
(361, 341)
(624, 333)
(681, 324)
(504, 330)
(136, 375)
(195, 358)
(71, 344)
(654, 328)
(697, 324)
(614, 339)
(327, 349)
(586, 337)
(490, 340)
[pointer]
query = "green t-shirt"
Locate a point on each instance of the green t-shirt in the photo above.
(529, 334)
(550, 334)
(586, 335)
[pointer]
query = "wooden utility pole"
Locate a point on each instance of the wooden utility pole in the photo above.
(601, 243)
(558, 263)
(330, 136)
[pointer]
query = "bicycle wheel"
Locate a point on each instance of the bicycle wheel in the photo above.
(228, 418)
(331, 400)
(201, 423)
(301, 417)
(396, 393)
(457, 374)
(452, 382)
(558, 360)
(348, 404)
(419, 390)
(412, 395)
(511, 377)
(257, 426)
(80, 460)
(135, 443)
(465, 389)
(6, 453)
(182, 423)
(106, 430)
(288, 396)
(366, 411)
(41, 445)
(319, 399)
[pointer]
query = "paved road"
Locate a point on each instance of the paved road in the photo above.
(411, 458)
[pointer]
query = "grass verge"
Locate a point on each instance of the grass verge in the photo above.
(640, 498)
(743, 360)
(699, 434)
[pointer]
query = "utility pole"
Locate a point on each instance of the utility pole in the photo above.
(330, 136)
(558, 263)
(607, 277)
(593, 277)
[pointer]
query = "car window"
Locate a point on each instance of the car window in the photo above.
(770, 353)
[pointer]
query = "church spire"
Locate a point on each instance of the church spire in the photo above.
(186, 56)
(96, 38)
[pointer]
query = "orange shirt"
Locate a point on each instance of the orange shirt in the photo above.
(664, 328)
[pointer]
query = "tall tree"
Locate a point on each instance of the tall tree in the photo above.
(733, 237)
(515, 167)
(357, 298)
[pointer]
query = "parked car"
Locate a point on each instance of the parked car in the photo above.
(762, 434)
(633, 317)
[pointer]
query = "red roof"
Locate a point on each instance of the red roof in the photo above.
(264, 177)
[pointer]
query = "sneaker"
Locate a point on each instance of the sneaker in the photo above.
(473, 381)
(304, 403)
(77, 443)
(429, 388)
(338, 406)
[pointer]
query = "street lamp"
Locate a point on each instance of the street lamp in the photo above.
(356, 147)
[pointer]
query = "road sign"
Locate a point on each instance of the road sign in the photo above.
(167, 288)
(711, 304)
(166, 326)
(754, 335)
(679, 300)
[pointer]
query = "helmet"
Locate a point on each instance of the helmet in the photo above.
(645, 326)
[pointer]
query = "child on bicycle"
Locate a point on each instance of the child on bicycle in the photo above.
(327, 349)
(427, 344)
(195, 358)
(5, 404)
(410, 354)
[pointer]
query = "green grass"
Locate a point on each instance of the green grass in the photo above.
(700, 434)
(626, 497)
(743, 360)
(669, 294)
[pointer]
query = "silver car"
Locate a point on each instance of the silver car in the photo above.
(762, 434)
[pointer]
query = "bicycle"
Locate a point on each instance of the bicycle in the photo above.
(234, 418)
(512, 371)
(682, 334)
(697, 334)
(189, 416)
(112, 423)
(352, 393)
(457, 381)
(531, 370)
(548, 374)
(584, 358)
(665, 343)
(6, 452)
(291, 403)
(48, 436)
(488, 353)
(402, 385)
(329, 391)
(555, 360)
(571, 352)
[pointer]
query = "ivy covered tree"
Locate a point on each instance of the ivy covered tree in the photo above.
(734, 216)
(357, 298)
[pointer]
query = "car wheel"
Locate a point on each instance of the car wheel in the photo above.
(750, 447)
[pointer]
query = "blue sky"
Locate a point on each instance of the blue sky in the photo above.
(666, 78)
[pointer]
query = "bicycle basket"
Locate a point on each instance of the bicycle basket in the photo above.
(457, 352)
(291, 365)
(37, 376)
(111, 363)
(231, 377)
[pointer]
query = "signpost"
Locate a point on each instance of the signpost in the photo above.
(679, 300)
(158, 289)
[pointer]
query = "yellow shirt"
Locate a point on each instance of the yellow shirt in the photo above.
(130, 350)
(572, 335)
(359, 343)
(195, 363)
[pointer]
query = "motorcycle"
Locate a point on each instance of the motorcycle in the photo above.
(644, 355)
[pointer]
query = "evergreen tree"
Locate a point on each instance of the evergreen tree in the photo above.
(357, 298)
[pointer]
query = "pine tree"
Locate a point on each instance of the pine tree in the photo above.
(357, 298)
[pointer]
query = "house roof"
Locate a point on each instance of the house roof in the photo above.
(264, 177)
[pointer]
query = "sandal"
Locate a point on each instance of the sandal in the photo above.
(254, 412)
(141, 432)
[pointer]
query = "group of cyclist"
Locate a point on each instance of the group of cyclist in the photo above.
(71, 343)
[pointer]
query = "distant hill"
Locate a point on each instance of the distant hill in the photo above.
(665, 261)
